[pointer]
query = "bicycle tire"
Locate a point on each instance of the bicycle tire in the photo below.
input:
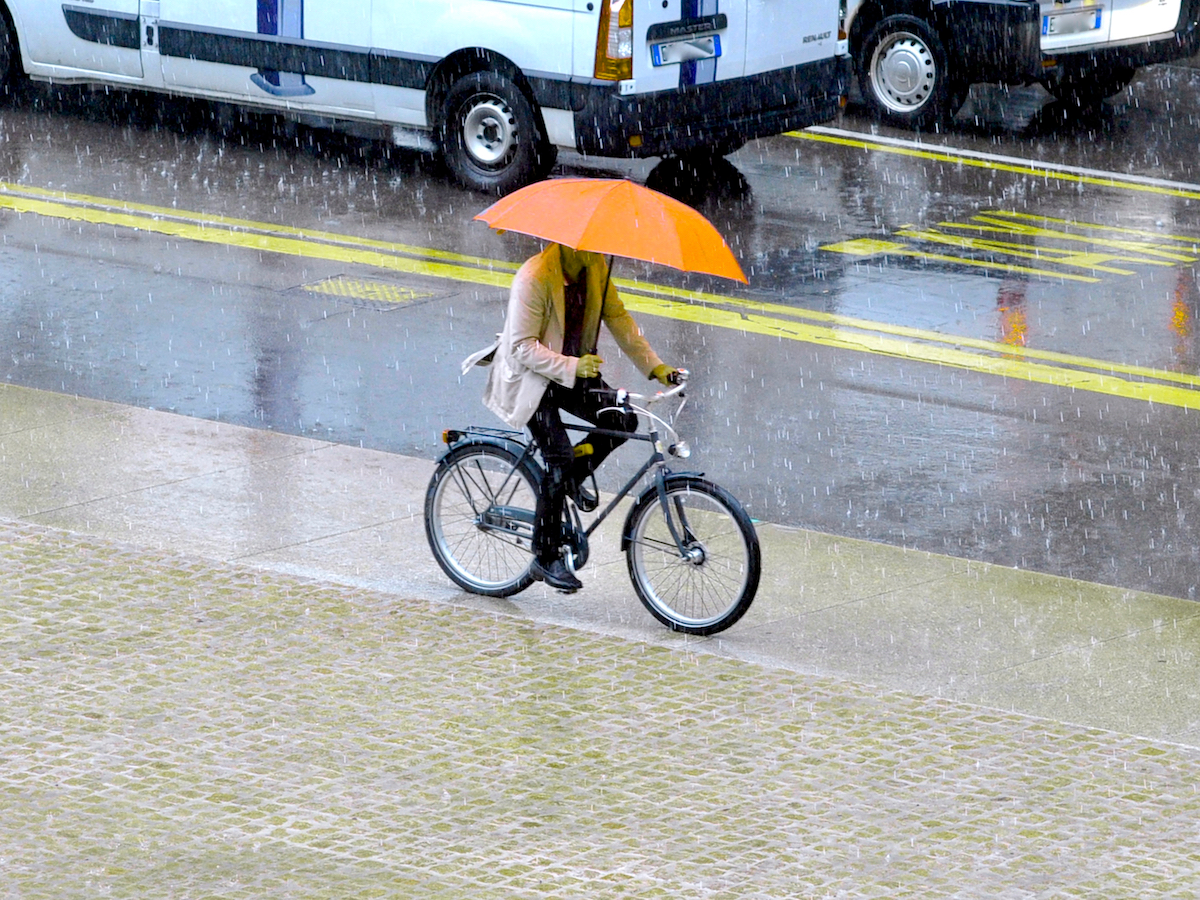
(712, 589)
(479, 518)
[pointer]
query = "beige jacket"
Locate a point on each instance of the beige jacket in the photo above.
(529, 350)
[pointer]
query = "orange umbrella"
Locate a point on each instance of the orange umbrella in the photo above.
(617, 218)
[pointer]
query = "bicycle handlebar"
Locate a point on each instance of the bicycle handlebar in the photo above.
(621, 396)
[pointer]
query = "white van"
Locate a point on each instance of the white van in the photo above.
(495, 84)
(916, 59)
(1092, 48)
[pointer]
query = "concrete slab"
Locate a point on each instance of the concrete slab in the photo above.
(62, 453)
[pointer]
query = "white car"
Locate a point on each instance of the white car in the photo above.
(915, 59)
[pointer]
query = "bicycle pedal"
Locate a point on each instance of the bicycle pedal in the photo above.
(586, 498)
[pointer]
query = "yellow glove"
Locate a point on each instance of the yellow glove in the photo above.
(588, 366)
(663, 373)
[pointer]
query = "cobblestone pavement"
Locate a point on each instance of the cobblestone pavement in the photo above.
(172, 727)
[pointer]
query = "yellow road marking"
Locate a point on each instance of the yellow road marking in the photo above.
(949, 156)
(866, 247)
(674, 303)
(1094, 261)
(1158, 252)
(1152, 252)
(934, 337)
(204, 220)
(883, 346)
(270, 243)
(871, 247)
(1190, 242)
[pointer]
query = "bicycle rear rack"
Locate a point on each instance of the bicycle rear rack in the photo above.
(454, 435)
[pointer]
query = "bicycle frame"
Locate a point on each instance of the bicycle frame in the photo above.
(656, 460)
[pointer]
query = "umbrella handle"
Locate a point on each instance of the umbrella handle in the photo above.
(603, 297)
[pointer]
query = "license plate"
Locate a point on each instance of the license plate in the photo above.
(685, 51)
(1072, 22)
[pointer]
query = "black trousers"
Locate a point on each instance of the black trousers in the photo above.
(563, 471)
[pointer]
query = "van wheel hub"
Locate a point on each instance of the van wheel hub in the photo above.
(903, 71)
(489, 130)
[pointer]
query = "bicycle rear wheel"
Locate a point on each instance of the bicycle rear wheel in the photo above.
(479, 518)
(711, 586)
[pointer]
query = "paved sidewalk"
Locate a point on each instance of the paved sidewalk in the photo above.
(238, 674)
(176, 727)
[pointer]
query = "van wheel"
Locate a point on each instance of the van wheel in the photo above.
(491, 137)
(1086, 88)
(904, 76)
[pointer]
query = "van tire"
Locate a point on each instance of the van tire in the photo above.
(904, 74)
(490, 135)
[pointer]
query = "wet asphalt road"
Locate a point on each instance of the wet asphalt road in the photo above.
(947, 352)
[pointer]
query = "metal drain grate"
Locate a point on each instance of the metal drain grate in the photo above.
(370, 294)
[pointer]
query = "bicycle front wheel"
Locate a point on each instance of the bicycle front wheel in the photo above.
(711, 584)
(479, 518)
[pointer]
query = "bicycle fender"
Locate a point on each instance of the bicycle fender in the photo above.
(517, 448)
(649, 494)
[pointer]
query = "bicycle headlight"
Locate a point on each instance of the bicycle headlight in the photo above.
(681, 449)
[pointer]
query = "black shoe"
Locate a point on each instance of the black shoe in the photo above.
(557, 575)
(585, 497)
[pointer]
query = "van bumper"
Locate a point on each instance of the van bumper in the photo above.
(725, 113)
(1182, 42)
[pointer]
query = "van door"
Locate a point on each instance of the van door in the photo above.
(306, 54)
(104, 36)
(585, 28)
(1133, 19)
(688, 42)
(781, 33)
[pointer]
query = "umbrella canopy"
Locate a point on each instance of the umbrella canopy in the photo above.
(617, 218)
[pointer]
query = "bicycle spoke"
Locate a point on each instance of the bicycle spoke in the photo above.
(667, 546)
(462, 474)
(516, 486)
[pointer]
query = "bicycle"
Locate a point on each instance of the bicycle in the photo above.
(691, 549)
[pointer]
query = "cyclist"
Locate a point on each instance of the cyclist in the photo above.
(544, 363)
